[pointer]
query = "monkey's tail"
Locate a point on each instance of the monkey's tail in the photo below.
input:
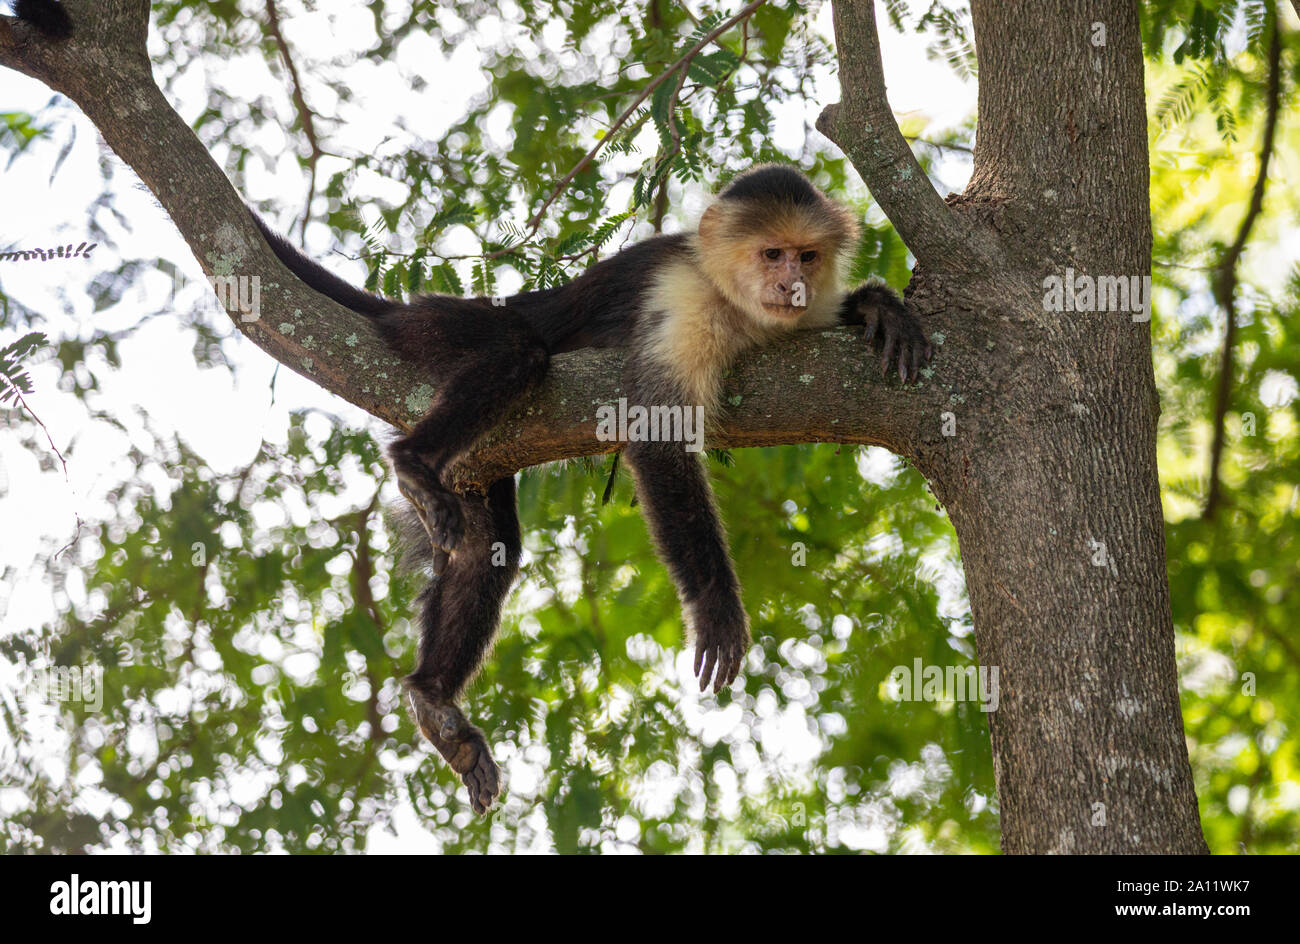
(413, 550)
(320, 278)
(48, 17)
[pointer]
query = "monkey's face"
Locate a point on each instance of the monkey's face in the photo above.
(775, 260)
(785, 279)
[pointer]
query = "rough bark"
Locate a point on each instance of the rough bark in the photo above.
(1051, 478)
(1054, 452)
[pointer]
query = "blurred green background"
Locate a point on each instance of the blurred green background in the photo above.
(247, 616)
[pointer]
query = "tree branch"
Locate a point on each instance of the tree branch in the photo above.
(820, 386)
(1225, 286)
(864, 128)
(836, 376)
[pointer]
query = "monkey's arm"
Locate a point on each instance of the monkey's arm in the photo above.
(678, 506)
(889, 324)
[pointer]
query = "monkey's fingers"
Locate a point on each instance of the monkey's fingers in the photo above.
(705, 660)
(729, 660)
(461, 744)
(918, 356)
(483, 781)
(872, 321)
(730, 670)
(469, 756)
(722, 663)
(887, 355)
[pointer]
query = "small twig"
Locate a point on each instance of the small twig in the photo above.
(1226, 284)
(536, 220)
(672, 118)
(18, 395)
(661, 191)
(661, 208)
(1181, 265)
(938, 145)
(300, 103)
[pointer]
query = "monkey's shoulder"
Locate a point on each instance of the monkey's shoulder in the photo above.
(634, 266)
(605, 306)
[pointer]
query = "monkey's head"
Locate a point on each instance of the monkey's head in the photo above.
(775, 246)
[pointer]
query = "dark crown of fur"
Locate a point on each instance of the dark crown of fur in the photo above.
(773, 182)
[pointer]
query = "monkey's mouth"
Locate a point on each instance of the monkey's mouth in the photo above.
(783, 310)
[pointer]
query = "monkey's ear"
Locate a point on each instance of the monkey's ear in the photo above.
(852, 228)
(711, 221)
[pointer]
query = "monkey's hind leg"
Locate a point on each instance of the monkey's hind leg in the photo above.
(477, 389)
(461, 744)
(461, 610)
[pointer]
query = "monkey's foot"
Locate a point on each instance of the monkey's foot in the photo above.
(720, 648)
(437, 509)
(462, 745)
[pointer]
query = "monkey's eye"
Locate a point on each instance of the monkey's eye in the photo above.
(808, 256)
(772, 253)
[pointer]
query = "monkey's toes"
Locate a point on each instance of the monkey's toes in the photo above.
(421, 501)
(439, 513)
(483, 782)
(440, 561)
(446, 527)
(461, 745)
(470, 757)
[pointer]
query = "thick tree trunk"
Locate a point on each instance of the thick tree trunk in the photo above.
(1054, 496)
(1050, 473)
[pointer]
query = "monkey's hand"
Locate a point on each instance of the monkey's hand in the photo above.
(721, 642)
(462, 745)
(890, 327)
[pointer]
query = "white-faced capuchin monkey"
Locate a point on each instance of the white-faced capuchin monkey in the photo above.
(768, 258)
